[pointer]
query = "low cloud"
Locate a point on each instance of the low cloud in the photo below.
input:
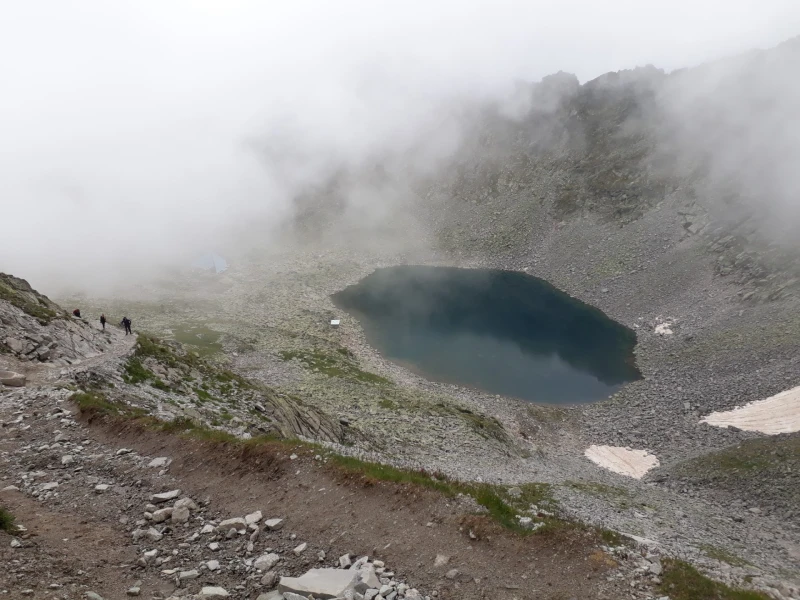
(139, 134)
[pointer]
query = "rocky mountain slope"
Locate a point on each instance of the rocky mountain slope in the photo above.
(141, 470)
(665, 200)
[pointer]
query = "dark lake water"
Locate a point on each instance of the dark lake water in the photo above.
(499, 331)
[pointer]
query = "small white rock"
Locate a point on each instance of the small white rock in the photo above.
(301, 548)
(187, 575)
(253, 518)
(273, 524)
(213, 592)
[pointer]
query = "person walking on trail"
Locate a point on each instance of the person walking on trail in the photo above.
(103, 321)
(126, 323)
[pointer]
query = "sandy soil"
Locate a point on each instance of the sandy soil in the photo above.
(625, 461)
(777, 414)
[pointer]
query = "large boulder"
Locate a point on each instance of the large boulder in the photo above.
(323, 584)
(12, 379)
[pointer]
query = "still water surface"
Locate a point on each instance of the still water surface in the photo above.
(499, 331)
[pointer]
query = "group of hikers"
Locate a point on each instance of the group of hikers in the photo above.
(126, 322)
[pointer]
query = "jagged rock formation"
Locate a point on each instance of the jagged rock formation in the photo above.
(34, 328)
(711, 149)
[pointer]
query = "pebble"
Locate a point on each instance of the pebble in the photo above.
(300, 549)
(187, 575)
(253, 518)
(265, 562)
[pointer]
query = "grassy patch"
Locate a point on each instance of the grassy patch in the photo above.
(202, 339)
(681, 581)
(548, 414)
(723, 555)
(752, 455)
(136, 372)
(610, 537)
(94, 403)
(333, 365)
(496, 500)
(387, 404)
(7, 521)
(616, 496)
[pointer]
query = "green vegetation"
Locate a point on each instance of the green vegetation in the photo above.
(723, 555)
(220, 382)
(18, 293)
(619, 497)
(681, 581)
(752, 458)
(387, 404)
(94, 403)
(200, 338)
(136, 372)
(340, 364)
(7, 521)
(496, 500)
(548, 414)
(610, 537)
(149, 346)
(598, 489)
(486, 427)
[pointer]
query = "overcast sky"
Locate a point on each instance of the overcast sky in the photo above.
(123, 125)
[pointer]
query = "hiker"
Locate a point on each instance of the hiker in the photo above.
(126, 323)
(76, 313)
(103, 321)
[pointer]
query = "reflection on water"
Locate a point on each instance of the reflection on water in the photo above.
(499, 331)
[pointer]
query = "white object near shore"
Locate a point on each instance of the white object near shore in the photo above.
(777, 414)
(335, 322)
(625, 461)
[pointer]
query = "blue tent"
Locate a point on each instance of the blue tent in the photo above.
(211, 262)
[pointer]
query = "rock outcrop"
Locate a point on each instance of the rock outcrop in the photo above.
(34, 328)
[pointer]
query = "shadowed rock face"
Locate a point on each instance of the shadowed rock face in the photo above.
(500, 331)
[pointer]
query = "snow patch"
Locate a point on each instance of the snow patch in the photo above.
(625, 461)
(777, 414)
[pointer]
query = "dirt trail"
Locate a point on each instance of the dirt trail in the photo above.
(79, 538)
